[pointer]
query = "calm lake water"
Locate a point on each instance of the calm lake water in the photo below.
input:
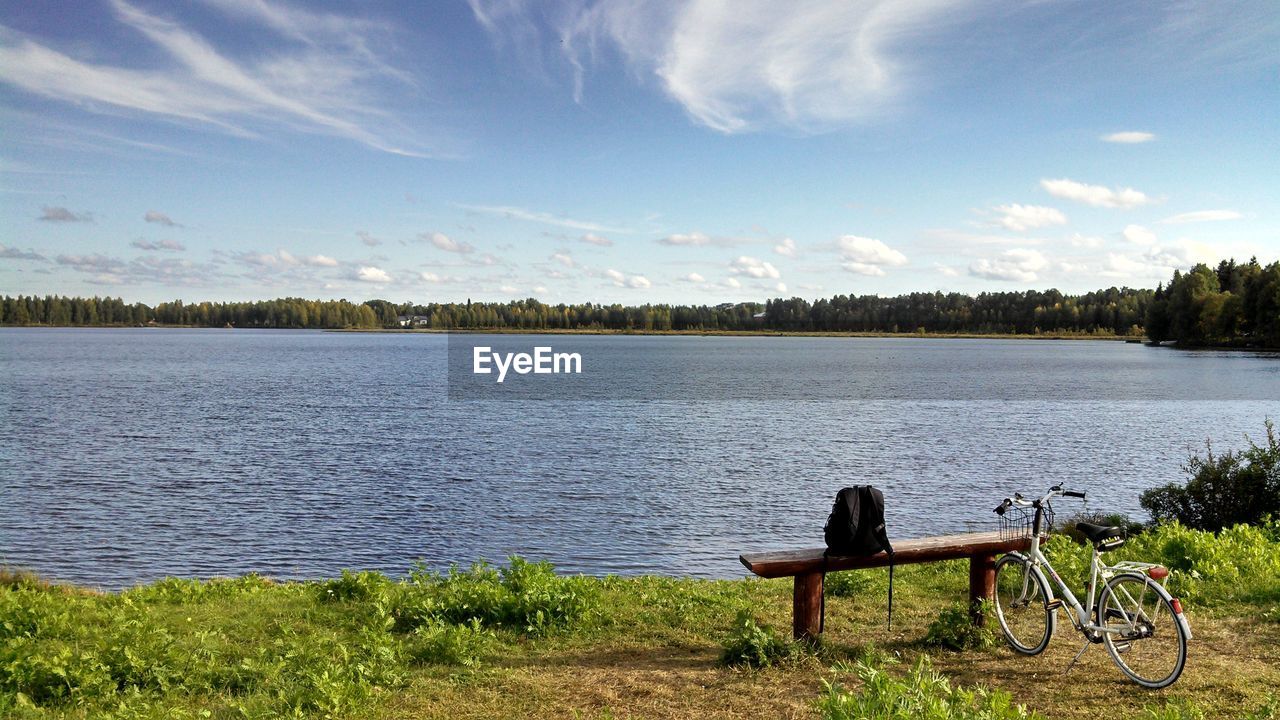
(128, 455)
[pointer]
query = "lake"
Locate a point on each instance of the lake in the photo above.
(131, 454)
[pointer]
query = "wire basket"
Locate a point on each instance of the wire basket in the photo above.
(1018, 522)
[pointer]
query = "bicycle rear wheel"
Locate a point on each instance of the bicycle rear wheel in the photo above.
(1022, 605)
(1143, 635)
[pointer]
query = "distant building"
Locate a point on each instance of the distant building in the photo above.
(413, 320)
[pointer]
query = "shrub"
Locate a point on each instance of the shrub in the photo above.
(954, 629)
(1067, 525)
(444, 644)
(355, 586)
(524, 596)
(923, 694)
(755, 645)
(1226, 489)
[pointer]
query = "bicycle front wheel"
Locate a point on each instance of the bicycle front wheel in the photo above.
(1022, 605)
(1142, 634)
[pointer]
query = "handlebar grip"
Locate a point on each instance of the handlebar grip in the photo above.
(1073, 493)
(1002, 507)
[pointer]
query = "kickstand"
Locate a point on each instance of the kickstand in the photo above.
(1076, 659)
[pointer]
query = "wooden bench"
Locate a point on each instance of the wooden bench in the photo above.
(807, 566)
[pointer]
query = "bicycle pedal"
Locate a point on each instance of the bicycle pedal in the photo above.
(1122, 647)
(1054, 604)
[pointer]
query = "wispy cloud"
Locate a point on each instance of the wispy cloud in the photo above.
(1202, 216)
(368, 239)
(1025, 217)
(694, 239)
(63, 215)
(317, 77)
(594, 239)
(1095, 195)
(1138, 235)
(148, 269)
(159, 218)
(448, 244)
(786, 248)
(284, 259)
(162, 245)
(519, 213)
(1129, 137)
(739, 66)
(13, 253)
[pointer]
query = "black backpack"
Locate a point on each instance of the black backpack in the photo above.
(856, 527)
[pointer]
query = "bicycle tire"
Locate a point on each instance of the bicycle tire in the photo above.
(1151, 644)
(1022, 605)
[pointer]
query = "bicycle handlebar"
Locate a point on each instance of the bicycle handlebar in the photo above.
(1017, 499)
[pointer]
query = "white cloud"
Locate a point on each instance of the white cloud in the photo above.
(448, 244)
(564, 259)
(519, 213)
(695, 238)
(509, 289)
(13, 253)
(739, 66)
(694, 278)
(1202, 216)
(732, 283)
(787, 247)
(780, 287)
(372, 275)
(317, 77)
(868, 251)
(947, 270)
(368, 239)
(283, 259)
(1128, 137)
(1019, 265)
(540, 290)
(621, 280)
(1025, 217)
(594, 239)
(863, 269)
(1138, 235)
(1095, 195)
(432, 277)
(754, 267)
(159, 218)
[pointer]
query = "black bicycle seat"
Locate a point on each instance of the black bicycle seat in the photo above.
(1098, 533)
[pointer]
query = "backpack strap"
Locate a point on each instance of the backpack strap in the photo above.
(822, 614)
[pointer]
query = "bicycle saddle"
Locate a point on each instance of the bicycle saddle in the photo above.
(1106, 537)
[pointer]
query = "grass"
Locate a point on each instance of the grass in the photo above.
(520, 641)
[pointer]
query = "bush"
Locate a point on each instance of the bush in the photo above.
(1067, 525)
(524, 596)
(444, 644)
(1224, 490)
(923, 694)
(755, 645)
(954, 629)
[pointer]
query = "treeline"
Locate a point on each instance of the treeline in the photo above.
(1105, 311)
(1234, 304)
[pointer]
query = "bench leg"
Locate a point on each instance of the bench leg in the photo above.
(982, 583)
(807, 606)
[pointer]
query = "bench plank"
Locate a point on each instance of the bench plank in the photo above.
(787, 563)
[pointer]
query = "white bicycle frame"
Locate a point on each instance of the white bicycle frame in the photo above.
(1082, 615)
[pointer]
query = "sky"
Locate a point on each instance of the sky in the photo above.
(630, 151)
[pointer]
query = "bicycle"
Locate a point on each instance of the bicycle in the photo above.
(1135, 618)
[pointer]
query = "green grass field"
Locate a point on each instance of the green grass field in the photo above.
(520, 641)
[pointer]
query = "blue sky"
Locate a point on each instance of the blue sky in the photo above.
(693, 152)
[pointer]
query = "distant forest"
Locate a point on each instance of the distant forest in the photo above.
(1234, 304)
